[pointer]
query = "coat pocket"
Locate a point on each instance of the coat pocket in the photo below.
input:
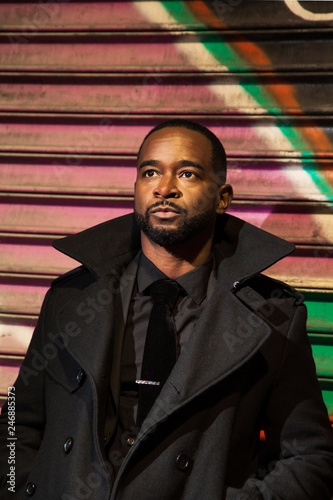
(64, 369)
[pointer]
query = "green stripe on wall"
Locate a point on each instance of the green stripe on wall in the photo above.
(322, 349)
(327, 392)
(320, 310)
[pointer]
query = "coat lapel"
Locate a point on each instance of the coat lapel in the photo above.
(105, 250)
(92, 316)
(227, 335)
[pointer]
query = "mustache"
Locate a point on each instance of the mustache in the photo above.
(164, 204)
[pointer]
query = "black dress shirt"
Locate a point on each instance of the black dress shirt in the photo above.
(185, 315)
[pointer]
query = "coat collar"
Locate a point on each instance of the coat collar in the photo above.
(242, 250)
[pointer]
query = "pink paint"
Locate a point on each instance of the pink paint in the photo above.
(241, 137)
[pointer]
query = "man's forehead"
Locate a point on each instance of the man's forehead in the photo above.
(176, 131)
(179, 136)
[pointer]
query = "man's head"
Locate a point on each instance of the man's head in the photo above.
(218, 159)
(180, 183)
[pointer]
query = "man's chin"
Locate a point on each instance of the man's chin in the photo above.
(164, 235)
(168, 232)
(165, 224)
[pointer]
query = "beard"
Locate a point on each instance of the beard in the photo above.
(165, 236)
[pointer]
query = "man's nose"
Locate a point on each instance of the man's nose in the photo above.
(167, 188)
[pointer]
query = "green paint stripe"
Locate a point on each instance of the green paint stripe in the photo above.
(180, 13)
(320, 313)
(327, 392)
(328, 400)
(322, 350)
(323, 356)
(322, 184)
(222, 52)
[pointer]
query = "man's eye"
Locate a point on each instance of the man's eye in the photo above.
(149, 173)
(188, 174)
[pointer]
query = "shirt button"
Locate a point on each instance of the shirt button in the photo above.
(182, 462)
(30, 489)
(68, 445)
(130, 441)
(80, 376)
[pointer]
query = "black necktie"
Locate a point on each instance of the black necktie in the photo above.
(160, 352)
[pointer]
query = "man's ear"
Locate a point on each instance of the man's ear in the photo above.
(225, 196)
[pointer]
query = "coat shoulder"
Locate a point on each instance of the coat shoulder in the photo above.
(274, 301)
(79, 278)
(270, 288)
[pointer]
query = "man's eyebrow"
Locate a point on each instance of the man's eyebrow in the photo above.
(190, 163)
(181, 163)
(149, 163)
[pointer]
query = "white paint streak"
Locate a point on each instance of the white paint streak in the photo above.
(155, 13)
(305, 14)
(302, 182)
(198, 55)
(276, 140)
(235, 97)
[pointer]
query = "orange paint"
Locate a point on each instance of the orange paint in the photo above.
(316, 137)
(204, 13)
(285, 95)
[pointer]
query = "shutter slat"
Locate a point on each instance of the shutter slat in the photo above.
(209, 94)
(165, 52)
(244, 136)
(82, 16)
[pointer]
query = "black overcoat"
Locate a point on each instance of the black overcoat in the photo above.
(247, 367)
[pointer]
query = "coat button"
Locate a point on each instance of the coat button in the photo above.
(30, 489)
(80, 376)
(182, 462)
(130, 441)
(68, 445)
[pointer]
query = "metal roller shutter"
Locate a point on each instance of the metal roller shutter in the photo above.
(82, 82)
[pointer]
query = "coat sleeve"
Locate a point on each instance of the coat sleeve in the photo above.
(299, 437)
(29, 414)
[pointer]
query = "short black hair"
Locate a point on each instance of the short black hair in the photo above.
(219, 159)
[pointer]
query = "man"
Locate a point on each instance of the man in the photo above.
(90, 422)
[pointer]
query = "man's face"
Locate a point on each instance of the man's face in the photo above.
(175, 192)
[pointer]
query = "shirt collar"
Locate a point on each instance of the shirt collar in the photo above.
(148, 273)
(194, 282)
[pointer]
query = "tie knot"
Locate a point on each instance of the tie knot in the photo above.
(165, 291)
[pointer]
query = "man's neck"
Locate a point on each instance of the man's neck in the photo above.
(176, 260)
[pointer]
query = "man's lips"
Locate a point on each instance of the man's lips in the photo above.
(163, 209)
(164, 212)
